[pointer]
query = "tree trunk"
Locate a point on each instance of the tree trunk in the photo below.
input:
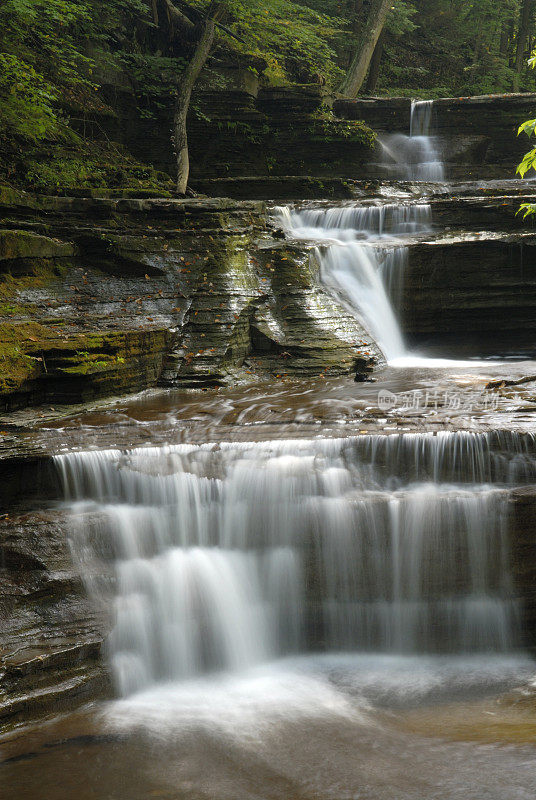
(357, 12)
(361, 60)
(522, 36)
(182, 104)
(504, 45)
(374, 71)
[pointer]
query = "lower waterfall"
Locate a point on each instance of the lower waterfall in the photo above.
(218, 557)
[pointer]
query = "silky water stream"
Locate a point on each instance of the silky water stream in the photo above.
(362, 250)
(312, 618)
(362, 255)
(307, 618)
(417, 156)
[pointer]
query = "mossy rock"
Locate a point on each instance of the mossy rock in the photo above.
(19, 244)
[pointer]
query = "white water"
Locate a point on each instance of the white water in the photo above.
(363, 258)
(417, 156)
(227, 556)
(363, 254)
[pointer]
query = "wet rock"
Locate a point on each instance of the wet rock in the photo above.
(523, 550)
(483, 284)
(140, 291)
(50, 633)
(277, 187)
(17, 245)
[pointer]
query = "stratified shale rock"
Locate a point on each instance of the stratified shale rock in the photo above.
(481, 283)
(523, 547)
(103, 296)
(51, 634)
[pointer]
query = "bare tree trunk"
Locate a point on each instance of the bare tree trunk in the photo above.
(356, 25)
(374, 71)
(182, 103)
(504, 45)
(522, 36)
(361, 60)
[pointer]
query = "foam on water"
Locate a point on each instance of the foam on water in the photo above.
(225, 557)
(414, 157)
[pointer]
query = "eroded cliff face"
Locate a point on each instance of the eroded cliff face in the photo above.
(476, 273)
(51, 633)
(106, 296)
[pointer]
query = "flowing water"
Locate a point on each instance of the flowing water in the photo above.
(362, 256)
(312, 618)
(304, 617)
(363, 252)
(417, 156)
(227, 556)
(362, 259)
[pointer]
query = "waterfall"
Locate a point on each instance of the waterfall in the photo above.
(417, 156)
(421, 117)
(366, 279)
(363, 258)
(222, 556)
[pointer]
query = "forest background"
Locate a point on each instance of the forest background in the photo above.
(56, 57)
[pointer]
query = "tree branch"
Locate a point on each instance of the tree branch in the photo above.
(184, 16)
(176, 17)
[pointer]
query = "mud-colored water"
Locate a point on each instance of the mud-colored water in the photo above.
(418, 398)
(339, 728)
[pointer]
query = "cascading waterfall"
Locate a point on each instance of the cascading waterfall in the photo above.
(414, 157)
(226, 556)
(368, 280)
(363, 258)
(351, 222)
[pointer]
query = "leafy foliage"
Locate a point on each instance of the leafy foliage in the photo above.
(27, 101)
(58, 59)
(529, 159)
(295, 40)
(457, 47)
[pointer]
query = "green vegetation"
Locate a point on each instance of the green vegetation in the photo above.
(529, 160)
(454, 47)
(70, 68)
(19, 360)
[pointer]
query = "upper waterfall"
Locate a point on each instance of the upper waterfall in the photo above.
(417, 156)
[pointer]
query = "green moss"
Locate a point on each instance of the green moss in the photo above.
(19, 347)
(227, 257)
(329, 129)
(22, 342)
(92, 165)
(42, 273)
(84, 362)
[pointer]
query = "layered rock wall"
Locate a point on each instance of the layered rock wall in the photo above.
(102, 296)
(476, 135)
